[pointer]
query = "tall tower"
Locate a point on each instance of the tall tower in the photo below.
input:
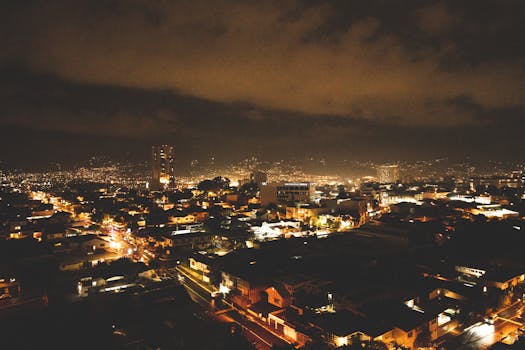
(387, 174)
(163, 167)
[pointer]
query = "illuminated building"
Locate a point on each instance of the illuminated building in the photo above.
(512, 181)
(387, 174)
(305, 214)
(268, 231)
(163, 167)
(287, 192)
(268, 193)
(494, 211)
(481, 199)
(203, 264)
(501, 278)
(9, 288)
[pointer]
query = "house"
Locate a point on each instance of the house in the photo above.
(84, 243)
(346, 328)
(305, 213)
(203, 264)
(262, 310)
(288, 322)
(179, 218)
(278, 296)
(193, 239)
(249, 289)
(81, 260)
(116, 276)
(497, 277)
(87, 242)
(52, 232)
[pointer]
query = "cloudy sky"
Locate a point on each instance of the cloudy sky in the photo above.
(379, 79)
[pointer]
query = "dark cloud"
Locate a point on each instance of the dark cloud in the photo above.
(273, 73)
(437, 19)
(256, 52)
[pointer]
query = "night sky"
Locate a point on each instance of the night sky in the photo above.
(380, 80)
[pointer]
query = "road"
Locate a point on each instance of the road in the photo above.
(482, 334)
(257, 334)
(199, 292)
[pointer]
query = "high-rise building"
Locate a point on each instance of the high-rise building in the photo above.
(163, 167)
(258, 177)
(387, 174)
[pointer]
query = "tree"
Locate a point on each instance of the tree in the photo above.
(208, 186)
(222, 182)
(249, 189)
(216, 184)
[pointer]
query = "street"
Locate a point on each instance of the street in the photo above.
(221, 310)
(484, 334)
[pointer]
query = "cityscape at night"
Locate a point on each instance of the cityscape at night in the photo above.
(262, 175)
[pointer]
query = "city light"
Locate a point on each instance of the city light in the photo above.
(341, 341)
(262, 174)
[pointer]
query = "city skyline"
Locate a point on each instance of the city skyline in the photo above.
(262, 174)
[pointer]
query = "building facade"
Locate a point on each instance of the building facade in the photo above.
(163, 167)
(387, 174)
(287, 193)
